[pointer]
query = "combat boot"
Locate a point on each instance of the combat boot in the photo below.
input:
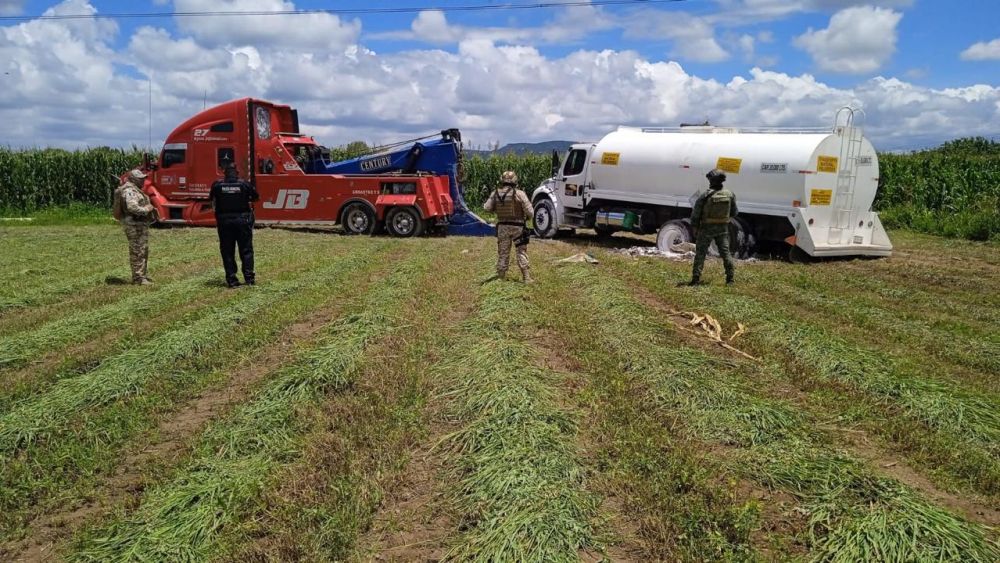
(694, 282)
(729, 280)
(142, 281)
(528, 278)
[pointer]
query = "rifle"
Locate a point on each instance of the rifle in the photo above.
(525, 237)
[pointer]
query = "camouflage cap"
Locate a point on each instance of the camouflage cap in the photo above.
(136, 174)
(508, 177)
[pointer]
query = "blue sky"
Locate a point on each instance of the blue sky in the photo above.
(925, 71)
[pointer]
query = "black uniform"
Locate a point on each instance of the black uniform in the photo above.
(234, 220)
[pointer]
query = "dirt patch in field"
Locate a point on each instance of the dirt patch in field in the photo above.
(867, 449)
(856, 442)
(169, 446)
(416, 521)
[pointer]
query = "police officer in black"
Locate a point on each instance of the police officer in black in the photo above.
(232, 198)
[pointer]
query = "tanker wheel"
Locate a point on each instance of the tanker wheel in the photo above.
(798, 256)
(545, 219)
(357, 219)
(671, 234)
(742, 241)
(404, 222)
(604, 231)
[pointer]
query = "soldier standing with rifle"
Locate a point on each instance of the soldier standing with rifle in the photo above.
(232, 198)
(710, 218)
(135, 212)
(513, 208)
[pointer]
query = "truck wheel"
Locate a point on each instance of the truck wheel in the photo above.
(741, 238)
(357, 219)
(671, 235)
(604, 231)
(404, 222)
(545, 219)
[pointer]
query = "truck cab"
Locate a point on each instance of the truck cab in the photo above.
(264, 142)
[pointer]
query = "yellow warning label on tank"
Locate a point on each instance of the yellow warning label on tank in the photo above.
(730, 165)
(820, 197)
(610, 158)
(826, 164)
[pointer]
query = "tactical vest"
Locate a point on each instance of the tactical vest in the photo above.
(120, 210)
(508, 208)
(232, 196)
(717, 207)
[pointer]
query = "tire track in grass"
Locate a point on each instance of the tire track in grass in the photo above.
(518, 480)
(163, 255)
(33, 318)
(973, 509)
(181, 302)
(854, 514)
(664, 500)
(961, 359)
(91, 417)
(238, 458)
(960, 434)
(363, 451)
(168, 442)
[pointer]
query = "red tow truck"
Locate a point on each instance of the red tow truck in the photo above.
(298, 185)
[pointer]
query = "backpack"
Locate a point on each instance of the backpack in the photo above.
(118, 204)
(717, 205)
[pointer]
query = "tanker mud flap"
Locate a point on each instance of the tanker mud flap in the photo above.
(866, 238)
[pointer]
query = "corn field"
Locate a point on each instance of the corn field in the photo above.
(32, 180)
(953, 190)
(377, 399)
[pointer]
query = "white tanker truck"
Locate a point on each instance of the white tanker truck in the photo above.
(810, 188)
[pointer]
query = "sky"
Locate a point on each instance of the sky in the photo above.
(924, 71)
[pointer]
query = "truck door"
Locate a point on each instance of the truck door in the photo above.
(572, 181)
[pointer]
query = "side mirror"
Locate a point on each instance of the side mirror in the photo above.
(555, 162)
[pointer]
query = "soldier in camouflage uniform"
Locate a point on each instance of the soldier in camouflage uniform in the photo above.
(133, 208)
(710, 218)
(513, 208)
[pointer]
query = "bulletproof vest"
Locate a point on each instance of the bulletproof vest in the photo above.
(717, 206)
(508, 209)
(232, 196)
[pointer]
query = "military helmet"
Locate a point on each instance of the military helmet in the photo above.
(716, 176)
(509, 178)
(136, 175)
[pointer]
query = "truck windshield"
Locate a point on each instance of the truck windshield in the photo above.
(575, 162)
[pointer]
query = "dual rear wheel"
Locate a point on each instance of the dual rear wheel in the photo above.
(359, 219)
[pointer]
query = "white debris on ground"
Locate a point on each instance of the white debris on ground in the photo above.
(581, 257)
(652, 251)
(683, 252)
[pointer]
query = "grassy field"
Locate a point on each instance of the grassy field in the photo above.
(372, 399)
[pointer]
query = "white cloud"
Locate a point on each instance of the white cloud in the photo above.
(983, 51)
(572, 26)
(693, 37)
(71, 89)
(154, 48)
(858, 40)
(746, 43)
(316, 31)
